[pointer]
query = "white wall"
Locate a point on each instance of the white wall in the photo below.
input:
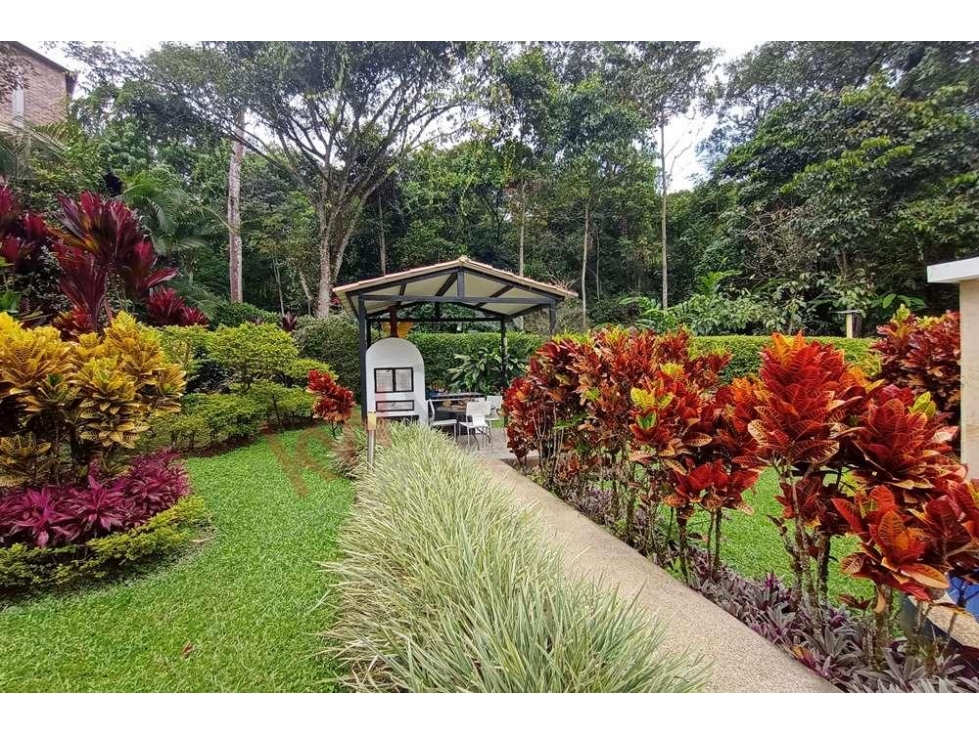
(394, 352)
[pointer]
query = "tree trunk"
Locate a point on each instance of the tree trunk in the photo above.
(326, 281)
(662, 161)
(305, 286)
(584, 273)
(382, 247)
(278, 285)
(523, 222)
(234, 214)
(598, 269)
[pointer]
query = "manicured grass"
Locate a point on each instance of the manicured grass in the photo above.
(751, 543)
(239, 614)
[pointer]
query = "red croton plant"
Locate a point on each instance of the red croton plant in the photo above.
(334, 402)
(915, 514)
(802, 407)
(923, 353)
(638, 414)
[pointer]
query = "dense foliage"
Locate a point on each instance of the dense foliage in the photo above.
(71, 405)
(923, 354)
(51, 516)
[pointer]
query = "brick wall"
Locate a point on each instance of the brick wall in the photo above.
(45, 95)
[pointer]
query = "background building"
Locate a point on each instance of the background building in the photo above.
(42, 94)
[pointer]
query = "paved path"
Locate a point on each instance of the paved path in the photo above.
(741, 660)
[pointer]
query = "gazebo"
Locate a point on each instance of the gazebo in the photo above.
(492, 295)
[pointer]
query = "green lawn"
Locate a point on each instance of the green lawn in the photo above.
(239, 614)
(751, 543)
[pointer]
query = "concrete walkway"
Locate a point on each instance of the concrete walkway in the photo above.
(741, 660)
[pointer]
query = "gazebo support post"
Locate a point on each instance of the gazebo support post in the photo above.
(503, 355)
(965, 274)
(363, 334)
(552, 315)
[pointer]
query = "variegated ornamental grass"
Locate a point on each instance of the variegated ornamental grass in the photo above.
(445, 586)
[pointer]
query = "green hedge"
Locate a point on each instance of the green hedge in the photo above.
(211, 420)
(746, 351)
(444, 584)
(236, 314)
(335, 341)
(24, 569)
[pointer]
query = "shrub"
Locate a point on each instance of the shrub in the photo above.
(297, 373)
(746, 351)
(445, 586)
(284, 406)
(189, 347)
(23, 568)
(66, 406)
(65, 515)
(165, 308)
(800, 408)
(483, 371)
(209, 420)
(915, 515)
(236, 314)
(923, 354)
(440, 352)
(252, 352)
(334, 402)
(333, 341)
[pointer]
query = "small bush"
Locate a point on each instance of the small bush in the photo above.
(67, 406)
(284, 406)
(209, 420)
(253, 352)
(445, 586)
(23, 568)
(236, 314)
(334, 402)
(297, 373)
(923, 354)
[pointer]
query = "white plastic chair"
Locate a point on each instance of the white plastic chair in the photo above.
(441, 422)
(475, 423)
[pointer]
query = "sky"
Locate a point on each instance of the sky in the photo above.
(682, 134)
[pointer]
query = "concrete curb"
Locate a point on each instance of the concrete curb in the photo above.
(741, 661)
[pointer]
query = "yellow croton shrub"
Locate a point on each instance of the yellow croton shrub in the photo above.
(64, 404)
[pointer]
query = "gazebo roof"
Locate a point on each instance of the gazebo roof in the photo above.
(463, 281)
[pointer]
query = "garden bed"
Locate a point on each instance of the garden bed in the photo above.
(643, 434)
(239, 615)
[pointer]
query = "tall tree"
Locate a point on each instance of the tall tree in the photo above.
(777, 72)
(669, 78)
(234, 211)
(336, 115)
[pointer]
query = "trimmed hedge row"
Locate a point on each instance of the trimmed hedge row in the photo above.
(335, 341)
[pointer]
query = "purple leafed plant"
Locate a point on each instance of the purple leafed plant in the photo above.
(55, 515)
